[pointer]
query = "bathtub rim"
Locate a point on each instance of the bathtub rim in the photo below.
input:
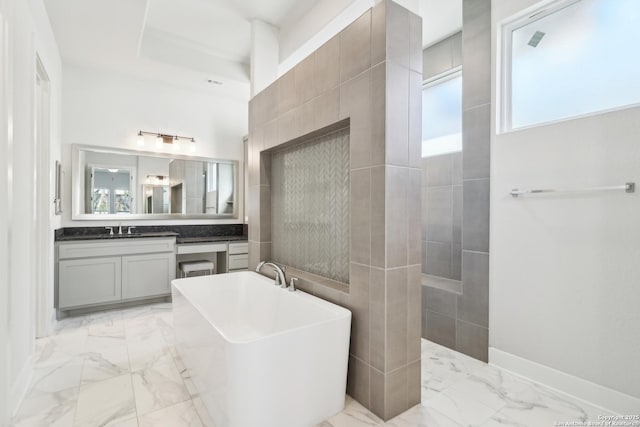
(342, 313)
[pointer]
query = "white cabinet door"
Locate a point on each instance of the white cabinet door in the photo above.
(89, 281)
(147, 275)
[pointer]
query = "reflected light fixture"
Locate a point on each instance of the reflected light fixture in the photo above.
(172, 140)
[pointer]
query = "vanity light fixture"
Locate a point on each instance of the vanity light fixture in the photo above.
(173, 140)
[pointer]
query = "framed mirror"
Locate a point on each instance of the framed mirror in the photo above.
(126, 184)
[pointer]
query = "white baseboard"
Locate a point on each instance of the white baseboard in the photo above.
(605, 398)
(20, 387)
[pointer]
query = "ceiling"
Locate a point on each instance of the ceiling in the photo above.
(189, 42)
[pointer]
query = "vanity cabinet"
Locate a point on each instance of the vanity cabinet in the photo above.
(97, 272)
(147, 275)
(89, 281)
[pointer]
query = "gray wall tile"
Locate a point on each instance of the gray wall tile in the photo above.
(287, 94)
(377, 397)
(397, 182)
(439, 259)
(397, 118)
(439, 300)
(360, 216)
(355, 102)
(377, 319)
(473, 304)
(326, 71)
(415, 120)
(326, 108)
(476, 48)
(456, 261)
(424, 256)
(439, 214)
(414, 218)
(475, 216)
(304, 79)
(415, 42)
(414, 310)
(441, 329)
(472, 340)
(456, 168)
(378, 113)
(396, 329)
(378, 216)
(358, 382)
(414, 372)
(355, 47)
(456, 214)
(398, 37)
(395, 393)
(359, 306)
(438, 170)
(265, 213)
(379, 33)
(476, 142)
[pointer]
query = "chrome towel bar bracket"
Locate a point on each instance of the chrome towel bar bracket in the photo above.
(629, 187)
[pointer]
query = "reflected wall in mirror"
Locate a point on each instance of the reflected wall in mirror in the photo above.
(136, 185)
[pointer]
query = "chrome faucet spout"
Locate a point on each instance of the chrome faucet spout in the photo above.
(280, 277)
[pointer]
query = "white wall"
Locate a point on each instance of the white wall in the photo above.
(107, 109)
(4, 216)
(29, 34)
(565, 273)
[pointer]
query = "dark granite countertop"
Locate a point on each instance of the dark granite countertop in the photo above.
(208, 239)
(184, 233)
(107, 236)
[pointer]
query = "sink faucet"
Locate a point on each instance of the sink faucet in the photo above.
(280, 278)
(130, 227)
(120, 229)
(110, 230)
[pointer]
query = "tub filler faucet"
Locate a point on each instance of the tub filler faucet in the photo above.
(280, 278)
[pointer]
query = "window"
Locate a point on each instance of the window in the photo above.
(442, 116)
(575, 58)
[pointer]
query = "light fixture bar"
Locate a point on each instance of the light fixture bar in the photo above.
(166, 136)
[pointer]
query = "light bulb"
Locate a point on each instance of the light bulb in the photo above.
(159, 141)
(176, 145)
(192, 147)
(140, 139)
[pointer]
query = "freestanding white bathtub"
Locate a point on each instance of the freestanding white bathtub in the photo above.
(260, 355)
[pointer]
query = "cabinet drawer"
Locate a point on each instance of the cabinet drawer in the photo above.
(89, 281)
(238, 248)
(199, 248)
(100, 248)
(238, 262)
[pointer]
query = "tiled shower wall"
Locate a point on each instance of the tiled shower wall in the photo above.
(442, 215)
(369, 78)
(461, 321)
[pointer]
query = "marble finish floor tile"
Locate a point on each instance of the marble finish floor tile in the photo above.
(120, 368)
(181, 415)
(105, 357)
(48, 409)
(105, 402)
(157, 387)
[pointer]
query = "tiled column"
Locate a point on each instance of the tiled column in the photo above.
(367, 77)
(472, 323)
